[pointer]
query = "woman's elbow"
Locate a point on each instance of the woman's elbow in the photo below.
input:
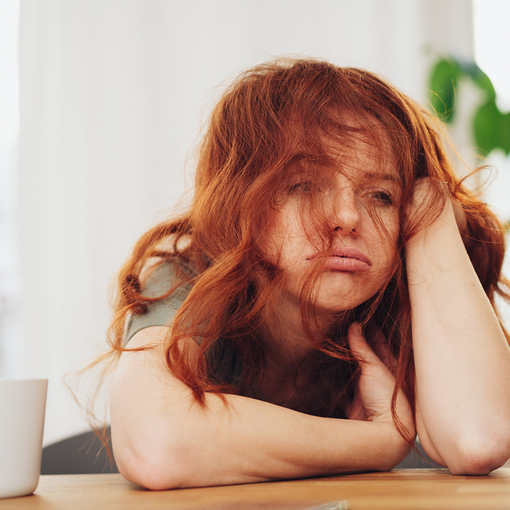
(480, 457)
(150, 474)
(153, 467)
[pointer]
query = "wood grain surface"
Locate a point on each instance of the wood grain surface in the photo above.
(401, 489)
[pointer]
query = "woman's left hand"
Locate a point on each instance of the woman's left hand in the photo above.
(423, 190)
(462, 223)
(376, 383)
(460, 217)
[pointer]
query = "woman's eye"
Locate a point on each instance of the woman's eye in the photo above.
(382, 197)
(301, 187)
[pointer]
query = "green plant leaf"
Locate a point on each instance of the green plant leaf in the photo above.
(504, 133)
(443, 86)
(487, 124)
(484, 82)
(473, 71)
(491, 128)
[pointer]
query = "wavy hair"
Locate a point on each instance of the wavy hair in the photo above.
(269, 120)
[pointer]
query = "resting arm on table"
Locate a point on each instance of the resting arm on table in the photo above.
(163, 439)
(461, 355)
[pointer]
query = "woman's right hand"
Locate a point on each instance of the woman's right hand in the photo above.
(423, 190)
(375, 386)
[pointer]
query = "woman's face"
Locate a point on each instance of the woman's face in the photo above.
(360, 201)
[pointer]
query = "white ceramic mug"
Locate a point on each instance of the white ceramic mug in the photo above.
(22, 407)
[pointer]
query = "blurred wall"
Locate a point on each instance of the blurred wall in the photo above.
(113, 93)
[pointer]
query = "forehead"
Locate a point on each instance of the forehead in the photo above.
(360, 157)
(343, 140)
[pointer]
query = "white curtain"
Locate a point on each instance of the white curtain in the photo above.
(113, 93)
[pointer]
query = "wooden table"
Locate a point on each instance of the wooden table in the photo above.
(402, 489)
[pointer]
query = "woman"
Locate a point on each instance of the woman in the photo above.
(316, 306)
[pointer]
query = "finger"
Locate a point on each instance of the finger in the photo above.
(355, 410)
(462, 223)
(460, 216)
(381, 348)
(359, 346)
(384, 353)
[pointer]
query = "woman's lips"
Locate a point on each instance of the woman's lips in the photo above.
(345, 259)
(345, 264)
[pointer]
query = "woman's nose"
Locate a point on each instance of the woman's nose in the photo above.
(345, 212)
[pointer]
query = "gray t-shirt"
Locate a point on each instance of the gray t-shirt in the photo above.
(162, 312)
(222, 357)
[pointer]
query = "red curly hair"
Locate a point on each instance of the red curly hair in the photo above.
(272, 116)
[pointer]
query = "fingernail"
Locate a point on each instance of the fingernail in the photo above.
(356, 328)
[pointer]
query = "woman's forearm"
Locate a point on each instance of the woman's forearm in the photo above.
(461, 355)
(254, 441)
(163, 439)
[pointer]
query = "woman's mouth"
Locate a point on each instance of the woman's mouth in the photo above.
(345, 258)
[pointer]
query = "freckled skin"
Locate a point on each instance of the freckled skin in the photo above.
(350, 203)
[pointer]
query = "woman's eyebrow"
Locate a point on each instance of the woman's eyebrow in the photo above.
(385, 176)
(303, 157)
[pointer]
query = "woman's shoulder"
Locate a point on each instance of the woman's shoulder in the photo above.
(166, 283)
(159, 276)
(162, 272)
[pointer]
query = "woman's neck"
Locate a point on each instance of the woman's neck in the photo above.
(287, 345)
(286, 378)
